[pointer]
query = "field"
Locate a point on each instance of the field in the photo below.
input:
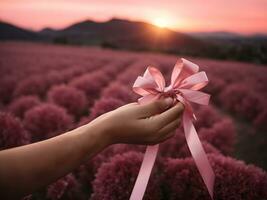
(46, 90)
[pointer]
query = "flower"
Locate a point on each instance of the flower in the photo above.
(68, 97)
(91, 84)
(261, 120)
(221, 135)
(104, 105)
(242, 100)
(54, 77)
(86, 172)
(215, 85)
(206, 117)
(19, 106)
(47, 120)
(115, 179)
(234, 180)
(12, 133)
(34, 85)
(65, 188)
(118, 91)
(7, 86)
(171, 147)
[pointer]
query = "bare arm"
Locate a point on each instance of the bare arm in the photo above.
(30, 167)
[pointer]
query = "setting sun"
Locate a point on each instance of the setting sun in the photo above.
(161, 22)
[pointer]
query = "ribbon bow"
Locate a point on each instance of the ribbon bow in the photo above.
(186, 80)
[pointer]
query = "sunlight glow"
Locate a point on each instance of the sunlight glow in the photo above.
(161, 22)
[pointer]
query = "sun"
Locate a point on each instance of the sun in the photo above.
(161, 22)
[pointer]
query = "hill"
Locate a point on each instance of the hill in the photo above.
(132, 35)
(124, 34)
(11, 32)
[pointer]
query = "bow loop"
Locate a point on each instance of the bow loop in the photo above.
(157, 76)
(182, 69)
(144, 86)
(152, 82)
(195, 82)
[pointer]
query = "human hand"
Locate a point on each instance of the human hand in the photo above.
(141, 124)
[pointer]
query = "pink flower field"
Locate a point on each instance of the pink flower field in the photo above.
(46, 90)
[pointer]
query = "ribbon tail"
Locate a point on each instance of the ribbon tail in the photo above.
(144, 172)
(198, 154)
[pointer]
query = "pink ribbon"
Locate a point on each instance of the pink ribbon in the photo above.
(186, 80)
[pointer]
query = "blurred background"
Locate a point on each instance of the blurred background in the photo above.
(65, 62)
(221, 29)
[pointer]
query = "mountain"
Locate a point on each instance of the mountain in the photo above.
(215, 35)
(131, 35)
(118, 33)
(259, 36)
(115, 33)
(11, 32)
(223, 36)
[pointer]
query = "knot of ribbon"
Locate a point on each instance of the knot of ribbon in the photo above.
(186, 80)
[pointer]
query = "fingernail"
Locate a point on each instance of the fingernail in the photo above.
(168, 102)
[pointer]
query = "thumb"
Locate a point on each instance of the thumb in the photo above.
(155, 107)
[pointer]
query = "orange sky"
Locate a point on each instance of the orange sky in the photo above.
(243, 16)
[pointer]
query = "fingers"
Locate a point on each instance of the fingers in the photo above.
(169, 128)
(154, 107)
(129, 105)
(164, 133)
(167, 136)
(168, 116)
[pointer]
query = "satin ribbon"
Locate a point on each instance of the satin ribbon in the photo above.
(186, 80)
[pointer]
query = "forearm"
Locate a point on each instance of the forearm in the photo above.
(28, 168)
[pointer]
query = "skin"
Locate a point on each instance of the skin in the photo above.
(28, 168)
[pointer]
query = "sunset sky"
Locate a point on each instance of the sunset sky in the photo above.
(242, 16)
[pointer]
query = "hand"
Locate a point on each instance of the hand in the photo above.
(141, 124)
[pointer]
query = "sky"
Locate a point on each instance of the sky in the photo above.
(240, 16)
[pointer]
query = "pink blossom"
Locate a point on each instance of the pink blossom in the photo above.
(118, 91)
(115, 179)
(68, 97)
(233, 180)
(34, 85)
(260, 122)
(19, 106)
(242, 101)
(206, 117)
(90, 84)
(215, 86)
(7, 86)
(12, 133)
(104, 105)
(65, 188)
(222, 135)
(47, 120)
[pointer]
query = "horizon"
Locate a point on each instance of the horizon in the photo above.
(246, 18)
(88, 19)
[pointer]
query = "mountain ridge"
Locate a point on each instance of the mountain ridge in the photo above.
(10, 31)
(125, 34)
(141, 36)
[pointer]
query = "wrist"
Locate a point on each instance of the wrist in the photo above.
(90, 139)
(103, 126)
(100, 131)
